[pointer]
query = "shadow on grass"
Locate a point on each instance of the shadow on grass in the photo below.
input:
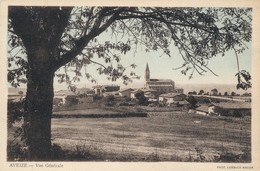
(16, 152)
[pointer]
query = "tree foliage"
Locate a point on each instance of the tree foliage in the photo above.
(201, 92)
(193, 101)
(198, 33)
(15, 111)
(233, 93)
(142, 100)
(71, 100)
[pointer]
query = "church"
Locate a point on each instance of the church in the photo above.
(160, 85)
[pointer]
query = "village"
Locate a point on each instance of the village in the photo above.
(155, 93)
(159, 93)
(157, 122)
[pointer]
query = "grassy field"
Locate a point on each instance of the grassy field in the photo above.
(162, 136)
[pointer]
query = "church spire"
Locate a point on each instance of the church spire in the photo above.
(147, 74)
(147, 68)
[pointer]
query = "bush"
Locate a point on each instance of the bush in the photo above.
(15, 111)
(109, 100)
(142, 100)
(16, 147)
(127, 99)
(16, 152)
(96, 97)
(153, 157)
(229, 157)
(56, 101)
(19, 152)
(193, 102)
(124, 104)
(71, 100)
(229, 112)
(57, 153)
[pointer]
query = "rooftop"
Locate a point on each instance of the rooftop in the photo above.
(63, 93)
(234, 105)
(104, 86)
(160, 80)
(148, 90)
(170, 94)
(125, 89)
(203, 108)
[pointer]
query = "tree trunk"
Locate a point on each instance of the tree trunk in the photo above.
(38, 110)
(40, 29)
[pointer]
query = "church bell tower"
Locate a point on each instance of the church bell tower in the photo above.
(147, 75)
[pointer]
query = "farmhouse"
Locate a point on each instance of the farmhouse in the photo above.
(233, 108)
(205, 109)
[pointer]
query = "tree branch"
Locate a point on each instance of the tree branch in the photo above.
(94, 61)
(84, 40)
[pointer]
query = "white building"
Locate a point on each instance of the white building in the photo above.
(125, 92)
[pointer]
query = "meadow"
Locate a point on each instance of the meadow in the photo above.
(161, 136)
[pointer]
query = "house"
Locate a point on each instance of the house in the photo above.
(211, 108)
(111, 88)
(205, 109)
(113, 93)
(125, 92)
(173, 99)
(151, 94)
(132, 94)
(214, 92)
(184, 104)
(99, 89)
(85, 92)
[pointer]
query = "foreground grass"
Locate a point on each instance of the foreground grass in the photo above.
(163, 136)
